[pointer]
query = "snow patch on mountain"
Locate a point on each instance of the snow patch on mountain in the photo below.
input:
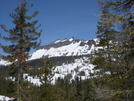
(57, 41)
(97, 40)
(71, 39)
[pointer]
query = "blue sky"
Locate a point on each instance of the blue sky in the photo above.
(59, 18)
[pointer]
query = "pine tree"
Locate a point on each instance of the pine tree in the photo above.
(22, 37)
(106, 35)
(46, 73)
(103, 57)
(47, 91)
(116, 64)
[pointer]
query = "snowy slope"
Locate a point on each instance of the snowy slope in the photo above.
(73, 69)
(66, 47)
(5, 98)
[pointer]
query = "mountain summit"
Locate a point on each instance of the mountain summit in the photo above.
(65, 47)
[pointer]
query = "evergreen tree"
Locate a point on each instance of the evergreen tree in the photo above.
(116, 63)
(22, 37)
(103, 57)
(47, 91)
(46, 72)
(106, 35)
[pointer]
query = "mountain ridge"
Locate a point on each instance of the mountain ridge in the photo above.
(60, 42)
(65, 47)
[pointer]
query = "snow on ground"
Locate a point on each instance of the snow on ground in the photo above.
(35, 80)
(5, 98)
(3, 62)
(74, 68)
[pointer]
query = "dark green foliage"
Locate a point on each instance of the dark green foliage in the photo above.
(56, 60)
(47, 92)
(114, 62)
(45, 73)
(82, 73)
(76, 90)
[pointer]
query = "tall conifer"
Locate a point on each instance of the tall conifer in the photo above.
(47, 91)
(116, 81)
(22, 37)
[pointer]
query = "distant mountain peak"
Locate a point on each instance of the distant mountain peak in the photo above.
(59, 43)
(65, 47)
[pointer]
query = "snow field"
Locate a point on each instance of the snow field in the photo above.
(73, 68)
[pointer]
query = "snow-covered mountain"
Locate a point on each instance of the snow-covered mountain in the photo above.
(66, 47)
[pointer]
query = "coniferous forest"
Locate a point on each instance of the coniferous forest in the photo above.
(113, 76)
